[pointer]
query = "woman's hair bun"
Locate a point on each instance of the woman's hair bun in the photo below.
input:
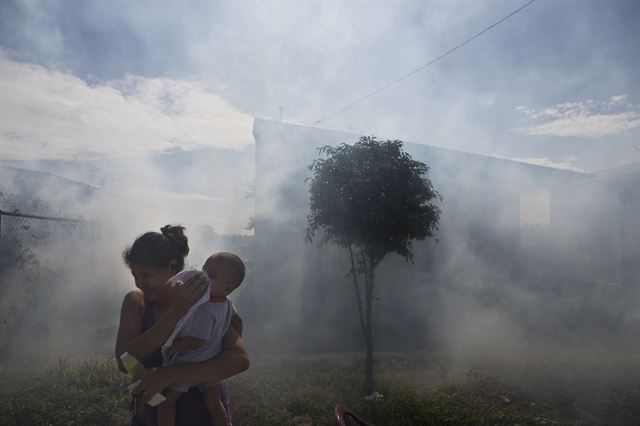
(175, 234)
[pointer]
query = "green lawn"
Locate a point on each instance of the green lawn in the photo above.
(553, 389)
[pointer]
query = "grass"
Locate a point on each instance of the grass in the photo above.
(585, 388)
(63, 393)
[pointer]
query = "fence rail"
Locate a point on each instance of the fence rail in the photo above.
(33, 216)
(35, 252)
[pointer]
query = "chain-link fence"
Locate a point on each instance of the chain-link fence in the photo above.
(34, 254)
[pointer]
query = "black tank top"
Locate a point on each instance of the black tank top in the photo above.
(154, 360)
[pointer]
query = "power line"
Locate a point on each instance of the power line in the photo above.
(375, 92)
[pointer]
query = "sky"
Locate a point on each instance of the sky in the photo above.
(109, 82)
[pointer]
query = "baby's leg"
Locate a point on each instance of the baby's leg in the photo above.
(215, 407)
(167, 409)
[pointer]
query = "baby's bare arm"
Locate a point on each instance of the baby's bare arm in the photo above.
(185, 344)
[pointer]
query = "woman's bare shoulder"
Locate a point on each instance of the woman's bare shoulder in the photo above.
(134, 298)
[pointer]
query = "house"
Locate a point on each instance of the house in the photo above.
(595, 227)
(303, 289)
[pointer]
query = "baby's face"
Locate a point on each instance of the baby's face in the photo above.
(221, 277)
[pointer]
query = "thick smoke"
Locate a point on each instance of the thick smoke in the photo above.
(91, 85)
(63, 281)
(506, 272)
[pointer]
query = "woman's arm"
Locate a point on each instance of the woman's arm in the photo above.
(131, 316)
(232, 360)
(143, 345)
(236, 322)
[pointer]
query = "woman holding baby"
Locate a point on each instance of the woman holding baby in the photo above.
(149, 315)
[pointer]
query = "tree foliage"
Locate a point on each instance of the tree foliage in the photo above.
(371, 195)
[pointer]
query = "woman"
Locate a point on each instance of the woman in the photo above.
(148, 317)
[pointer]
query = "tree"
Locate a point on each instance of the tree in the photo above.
(373, 199)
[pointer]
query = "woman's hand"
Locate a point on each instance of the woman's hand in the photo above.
(189, 293)
(152, 382)
(141, 374)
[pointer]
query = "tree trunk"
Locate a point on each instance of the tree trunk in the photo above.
(368, 371)
(356, 284)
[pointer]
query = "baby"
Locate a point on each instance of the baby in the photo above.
(201, 339)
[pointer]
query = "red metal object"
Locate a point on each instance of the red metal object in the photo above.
(344, 417)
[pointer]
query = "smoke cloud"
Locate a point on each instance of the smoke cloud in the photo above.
(132, 117)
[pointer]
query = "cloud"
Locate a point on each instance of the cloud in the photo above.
(589, 119)
(52, 114)
(568, 163)
(592, 126)
(615, 100)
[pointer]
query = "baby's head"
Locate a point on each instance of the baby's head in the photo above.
(226, 272)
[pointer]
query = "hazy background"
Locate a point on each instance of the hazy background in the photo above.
(151, 105)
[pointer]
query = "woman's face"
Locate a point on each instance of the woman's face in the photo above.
(152, 280)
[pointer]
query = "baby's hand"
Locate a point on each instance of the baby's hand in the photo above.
(189, 293)
(172, 350)
(185, 276)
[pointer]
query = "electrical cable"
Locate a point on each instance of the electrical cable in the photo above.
(420, 68)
